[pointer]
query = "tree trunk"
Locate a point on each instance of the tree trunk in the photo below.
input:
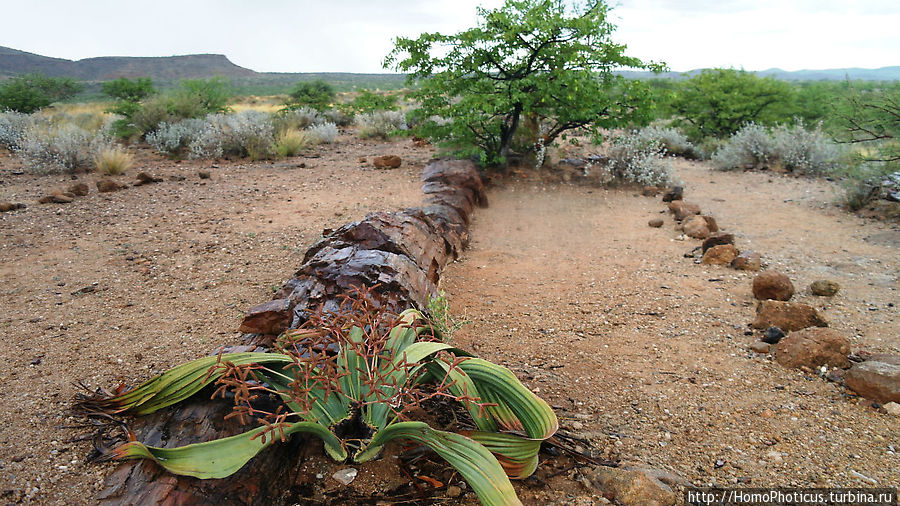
(404, 252)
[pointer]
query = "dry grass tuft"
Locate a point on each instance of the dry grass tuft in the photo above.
(113, 161)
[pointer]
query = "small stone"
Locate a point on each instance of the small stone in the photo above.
(695, 226)
(682, 209)
(108, 185)
(773, 335)
(9, 206)
(717, 239)
(633, 487)
(577, 426)
(767, 413)
(650, 191)
(454, 491)
(145, 178)
(824, 288)
(673, 193)
(204, 174)
(362, 159)
(387, 162)
(747, 261)
(772, 285)
(345, 476)
(723, 254)
(655, 222)
(760, 347)
(892, 408)
(79, 189)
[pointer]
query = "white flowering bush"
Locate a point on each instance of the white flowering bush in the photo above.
(325, 133)
(13, 126)
(47, 149)
(174, 138)
(297, 119)
(673, 141)
(380, 124)
(244, 134)
(639, 159)
(805, 151)
(750, 147)
(338, 117)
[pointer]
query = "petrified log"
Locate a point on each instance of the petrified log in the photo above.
(402, 252)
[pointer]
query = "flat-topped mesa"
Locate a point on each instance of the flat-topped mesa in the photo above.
(403, 252)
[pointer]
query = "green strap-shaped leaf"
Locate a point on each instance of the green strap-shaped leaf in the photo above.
(223, 457)
(179, 383)
(517, 455)
(473, 461)
(498, 384)
(462, 385)
(378, 413)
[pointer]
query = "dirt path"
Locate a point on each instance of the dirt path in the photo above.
(605, 317)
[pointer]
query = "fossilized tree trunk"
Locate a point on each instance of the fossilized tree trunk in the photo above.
(404, 252)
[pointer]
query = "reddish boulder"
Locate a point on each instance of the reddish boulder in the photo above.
(108, 185)
(747, 261)
(696, 227)
(271, 317)
(788, 316)
(386, 162)
(824, 288)
(716, 239)
(682, 209)
(813, 347)
(655, 222)
(672, 194)
(772, 285)
(79, 189)
(875, 380)
(723, 254)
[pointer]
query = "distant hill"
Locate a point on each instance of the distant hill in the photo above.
(167, 70)
(881, 74)
(105, 68)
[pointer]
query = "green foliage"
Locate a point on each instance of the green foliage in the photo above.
(718, 102)
(129, 91)
(368, 102)
(316, 94)
(441, 319)
(194, 98)
(30, 92)
(528, 58)
(872, 118)
(356, 397)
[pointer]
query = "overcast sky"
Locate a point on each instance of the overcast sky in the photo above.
(355, 35)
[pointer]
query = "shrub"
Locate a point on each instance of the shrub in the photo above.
(380, 124)
(13, 126)
(338, 117)
(59, 148)
(291, 143)
(672, 141)
(638, 159)
(368, 102)
(173, 139)
(750, 147)
(113, 161)
(315, 94)
(127, 90)
(805, 151)
(245, 134)
(31, 92)
(297, 119)
(325, 133)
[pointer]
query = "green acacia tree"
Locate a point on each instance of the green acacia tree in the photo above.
(30, 92)
(538, 60)
(718, 102)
